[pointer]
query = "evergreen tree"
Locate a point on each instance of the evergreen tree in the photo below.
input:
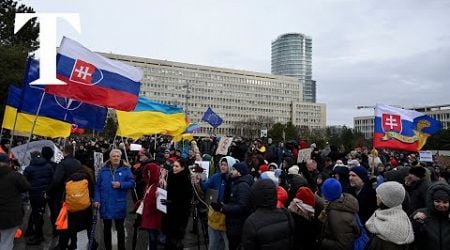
(14, 48)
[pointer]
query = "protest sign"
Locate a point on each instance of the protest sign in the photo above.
(304, 154)
(224, 144)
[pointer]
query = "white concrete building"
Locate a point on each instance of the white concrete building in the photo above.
(235, 95)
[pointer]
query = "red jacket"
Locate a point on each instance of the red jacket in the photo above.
(151, 217)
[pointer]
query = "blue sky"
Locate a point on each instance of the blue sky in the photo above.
(364, 52)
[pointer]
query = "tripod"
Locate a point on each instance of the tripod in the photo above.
(197, 217)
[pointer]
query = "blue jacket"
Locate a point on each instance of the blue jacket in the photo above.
(218, 180)
(39, 174)
(113, 201)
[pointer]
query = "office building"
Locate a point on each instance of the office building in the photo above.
(292, 56)
(235, 95)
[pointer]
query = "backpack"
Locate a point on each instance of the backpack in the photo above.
(77, 195)
(362, 240)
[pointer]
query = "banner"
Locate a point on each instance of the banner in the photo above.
(304, 154)
(22, 152)
(224, 144)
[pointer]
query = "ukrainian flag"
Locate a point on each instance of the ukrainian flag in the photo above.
(150, 117)
(45, 126)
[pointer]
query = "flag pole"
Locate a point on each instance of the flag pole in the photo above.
(125, 150)
(154, 152)
(34, 124)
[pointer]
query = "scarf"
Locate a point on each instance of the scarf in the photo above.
(391, 225)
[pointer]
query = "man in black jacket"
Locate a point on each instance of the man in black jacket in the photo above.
(268, 227)
(39, 174)
(238, 209)
(12, 184)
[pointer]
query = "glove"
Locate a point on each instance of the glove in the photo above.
(217, 206)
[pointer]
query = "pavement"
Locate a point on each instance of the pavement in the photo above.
(191, 240)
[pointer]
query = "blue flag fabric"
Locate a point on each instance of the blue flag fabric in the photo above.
(65, 109)
(212, 118)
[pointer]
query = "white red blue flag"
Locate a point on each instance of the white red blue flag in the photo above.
(402, 129)
(95, 79)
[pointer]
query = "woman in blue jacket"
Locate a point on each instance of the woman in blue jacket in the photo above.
(113, 182)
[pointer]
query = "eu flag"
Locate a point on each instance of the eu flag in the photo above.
(65, 109)
(212, 118)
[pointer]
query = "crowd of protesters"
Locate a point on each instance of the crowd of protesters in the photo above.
(266, 198)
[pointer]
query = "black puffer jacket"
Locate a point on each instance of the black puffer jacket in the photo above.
(39, 174)
(238, 209)
(11, 185)
(268, 227)
(434, 232)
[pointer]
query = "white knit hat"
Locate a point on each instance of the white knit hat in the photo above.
(391, 193)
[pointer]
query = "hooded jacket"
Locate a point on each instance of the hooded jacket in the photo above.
(339, 228)
(221, 182)
(151, 217)
(434, 232)
(12, 184)
(268, 227)
(238, 209)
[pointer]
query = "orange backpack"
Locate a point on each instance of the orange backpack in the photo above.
(77, 195)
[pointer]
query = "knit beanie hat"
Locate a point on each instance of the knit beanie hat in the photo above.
(361, 172)
(241, 168)
(263, 168)
(331, 189)
(294, 170)
(418, 171)
(306, 195)
(271, 176)
(391, 193)
(440, 195)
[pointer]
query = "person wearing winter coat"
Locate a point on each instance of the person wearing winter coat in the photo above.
(113, 182)
(339, 226)
(417, 185)
(80, 220)
(12, 184)
(221, 182)
(179, 196)
(432, 224)
(307, 227)
(151, 216)
(39, 174)
(268, 227)
(389, 224)
(239, 208)
(282, 195)
(363, 191)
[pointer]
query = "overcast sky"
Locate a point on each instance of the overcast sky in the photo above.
(364, 51)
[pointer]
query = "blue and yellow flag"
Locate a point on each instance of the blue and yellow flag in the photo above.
(45, 126)
(150, 117)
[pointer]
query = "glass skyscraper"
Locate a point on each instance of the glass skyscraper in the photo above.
(292, 56)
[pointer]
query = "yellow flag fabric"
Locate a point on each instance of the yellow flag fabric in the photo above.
(137, 124)
(44, 126)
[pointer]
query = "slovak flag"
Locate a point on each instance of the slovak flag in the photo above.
(95, 79)
(402, 129)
